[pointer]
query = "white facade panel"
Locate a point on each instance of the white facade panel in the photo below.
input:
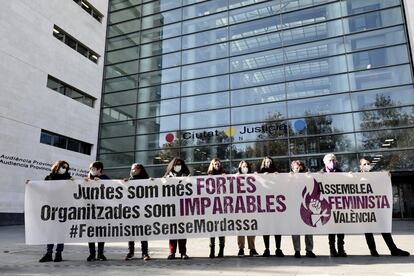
(28, 54)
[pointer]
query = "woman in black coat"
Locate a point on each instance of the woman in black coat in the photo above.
(59, 171)
(138, 172)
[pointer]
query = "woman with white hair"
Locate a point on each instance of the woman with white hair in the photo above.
(331, 166)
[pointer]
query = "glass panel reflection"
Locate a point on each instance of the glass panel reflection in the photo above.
(384, 118)
(122, 55)
(383, 98)
(206, 153)
(120, 98)
(261, 94)
(322, 144)
(375, 39)
(321, 125)
(373, 20)
(319, 106)
(123, 83)
(161, 47)
(117, 160)
(123, 41)
(119, 113)
(204, 38)
(258, 113)
(206, 85)
(317, 86)
(311, 15)
(378, 58)
(385, 139)
(204, 102)
(378, 78)
(121, 69)
(158, 124)
(124, 28)
(260, 149)
(163, 156)
(205, 22)
(254, 11)
(204, 8)
(205, 119)
(205, 53)
(117, 129)
(122, 144)
(205, 69)
(350, 7)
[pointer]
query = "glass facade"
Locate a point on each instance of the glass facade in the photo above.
(241, 79)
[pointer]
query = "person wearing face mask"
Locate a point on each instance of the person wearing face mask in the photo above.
(299, 167)
(138, 172)
(96, 173)
(177, 168)
(59, 171)
(365, 166)
(331, 166)
(215, 168)
(268, 166)
(245, 168)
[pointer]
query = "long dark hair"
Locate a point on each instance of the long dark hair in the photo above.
(272, 167)
(212, 171)
(57, 165)
(142, 173)
(170, 168)
(249, 167)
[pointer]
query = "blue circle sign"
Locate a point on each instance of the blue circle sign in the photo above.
(299, 125)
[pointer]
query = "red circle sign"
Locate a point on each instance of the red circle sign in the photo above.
(169, 138)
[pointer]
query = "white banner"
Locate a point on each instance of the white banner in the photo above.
(206, 206)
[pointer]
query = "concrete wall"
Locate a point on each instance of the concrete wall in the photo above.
(28, 53)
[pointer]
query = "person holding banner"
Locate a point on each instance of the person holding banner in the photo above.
(365, 166)
(245, 168)
(331, 166)
(177, 168)
(59, 171)
(215, 168)
(299, 167)
(96, 173)
(268, 166)
(138, 172)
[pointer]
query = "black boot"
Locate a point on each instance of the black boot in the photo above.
(341, 251)
(212, 252)
(48, 257)
(58, 257)
(333, 251)
(221, 252)
(131, 249)
(91, 257)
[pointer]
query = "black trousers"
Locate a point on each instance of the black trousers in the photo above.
(100, 248)
(387, 238)
(278, 241)
(222, 241)
(340, 241)
(144, 247)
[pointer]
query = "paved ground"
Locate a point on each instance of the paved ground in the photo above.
(16, 258)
